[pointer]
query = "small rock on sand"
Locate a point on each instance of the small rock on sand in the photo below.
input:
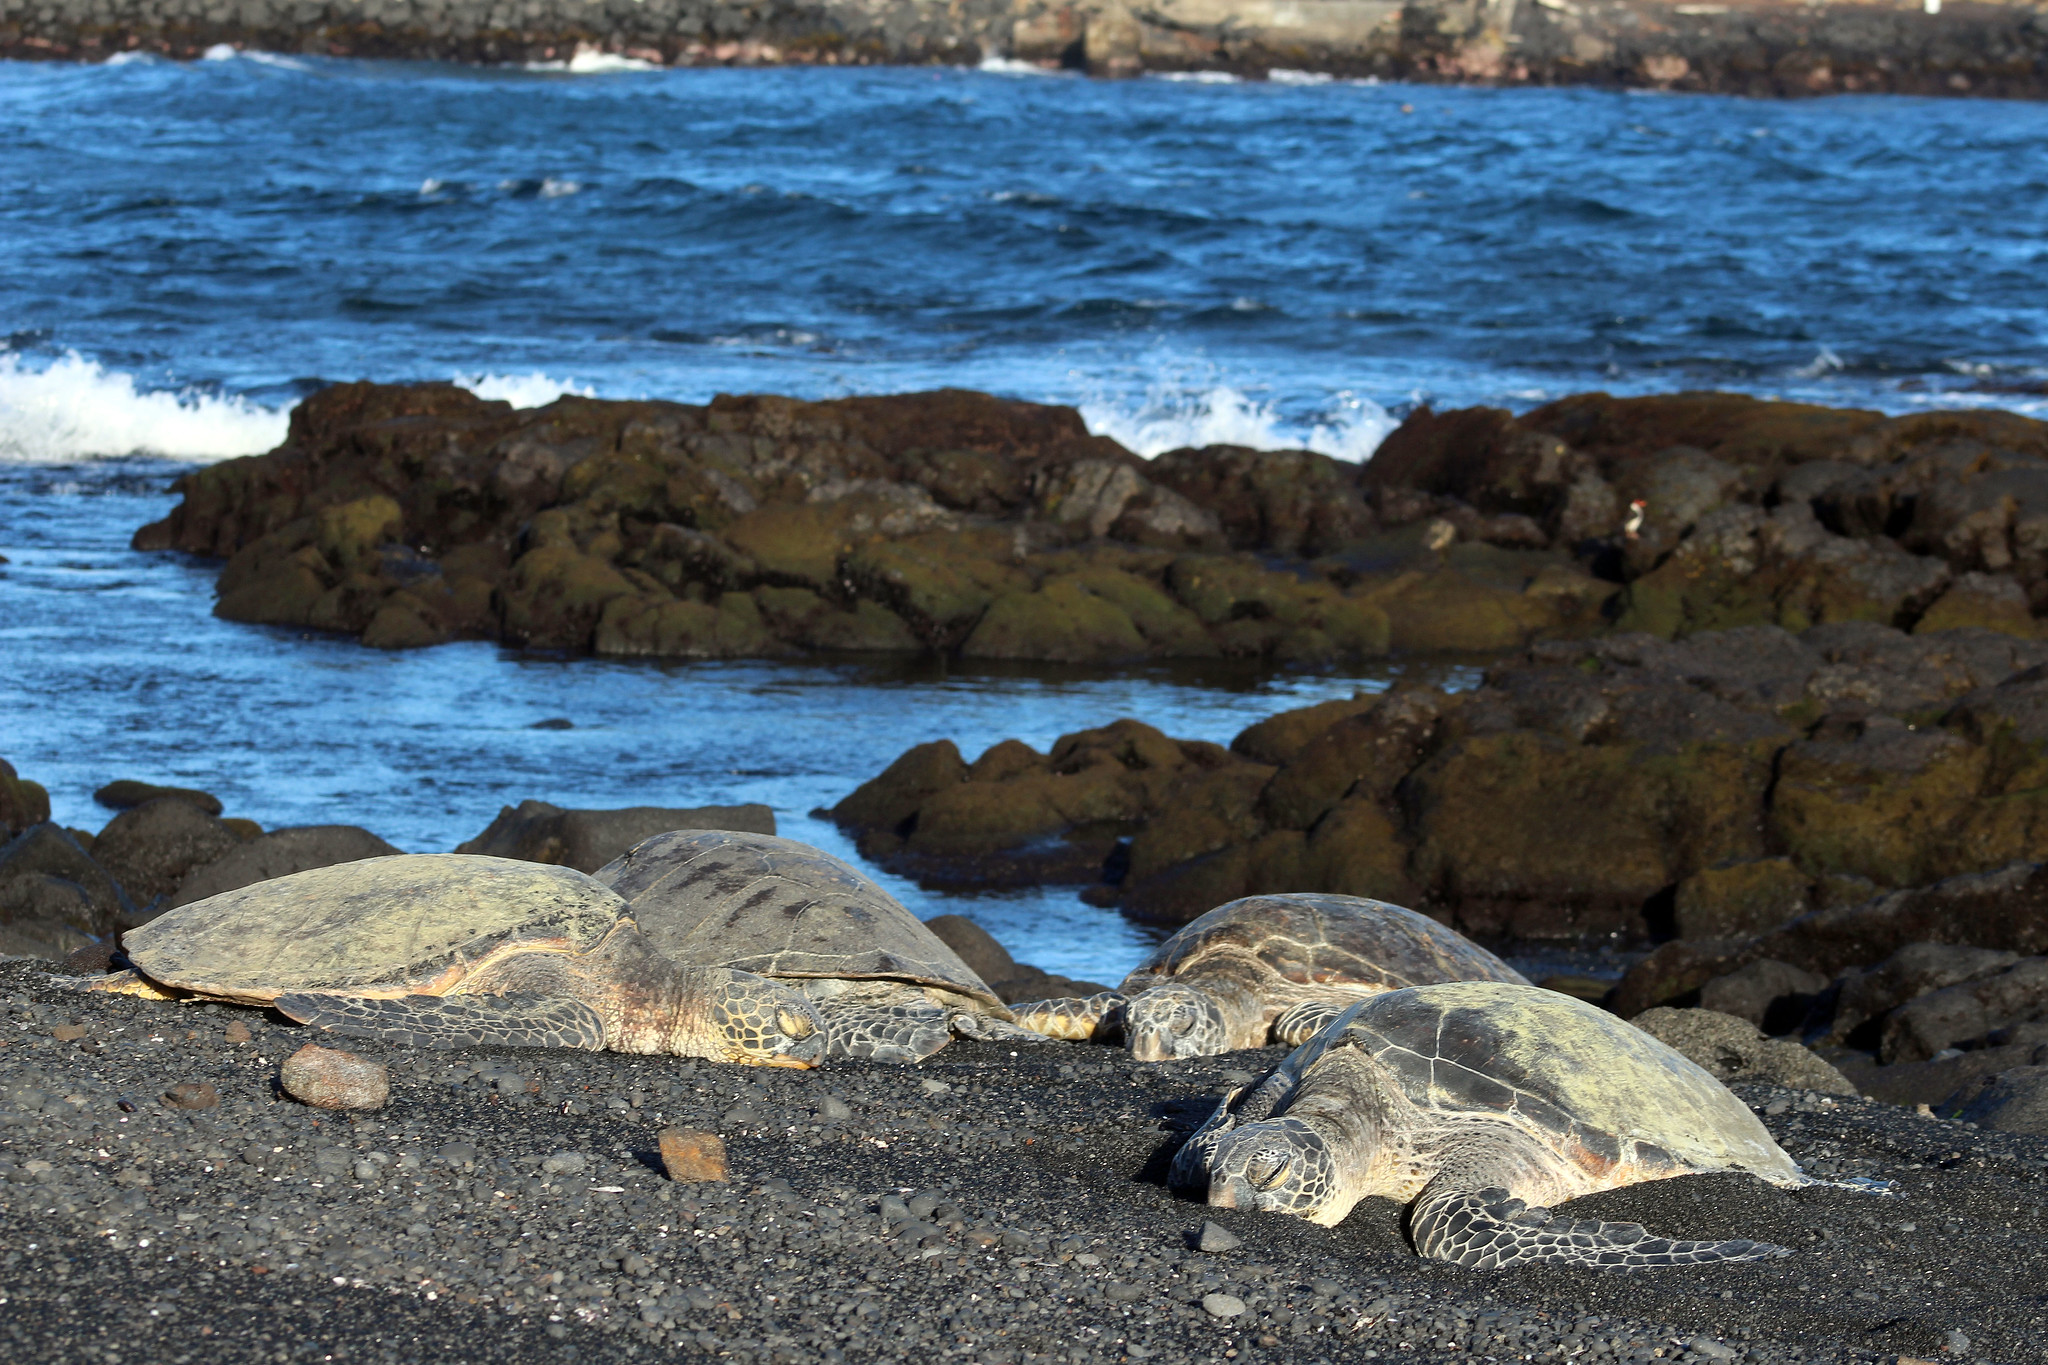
(1222, 1305)
(1216, 1238)
(192, 1095)
(329, 1078)
(692, 1156)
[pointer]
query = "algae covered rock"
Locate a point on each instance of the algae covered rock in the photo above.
(22, 802)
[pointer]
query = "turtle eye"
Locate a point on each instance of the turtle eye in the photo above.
(1183, 1020)
(792, 1024)
(1266, 1167)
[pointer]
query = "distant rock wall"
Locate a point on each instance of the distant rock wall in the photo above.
(1762, 47)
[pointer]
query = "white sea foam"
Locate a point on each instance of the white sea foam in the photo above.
(76, 409)
(133, 59)
(1196, 77)
(220, 52)
(523, 390)
(1169, 419)
(1013, 66)
(552, 188)
(1281, 75)
(588, 61)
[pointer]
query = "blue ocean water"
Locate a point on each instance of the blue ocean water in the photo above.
(185, 249)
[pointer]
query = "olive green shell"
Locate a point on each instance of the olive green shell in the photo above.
(1598, 1090)
(415, 919)
(775, 907)
(1312, 939)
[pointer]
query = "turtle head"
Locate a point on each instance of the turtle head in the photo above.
(1277, 1166)
(1173, 1021)
(758, 1022)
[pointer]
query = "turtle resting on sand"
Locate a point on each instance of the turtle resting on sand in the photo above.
(1480, 1105)
(448, 950)
(1266, 969)
(887, 987)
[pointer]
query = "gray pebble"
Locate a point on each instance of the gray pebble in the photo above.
(1222, 1305)
(1214, 1237)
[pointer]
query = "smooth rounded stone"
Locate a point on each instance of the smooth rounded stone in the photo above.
(693, 1156)
(150, 849)
(1214, 1237)
(2016, 1101)
(329, 1078)
(192, 1095)
(565, 1163)
(1732, 1049)
(1222, 1305)
(279, 854)
(126, 794)
(1116, 1291)
(1773, 995)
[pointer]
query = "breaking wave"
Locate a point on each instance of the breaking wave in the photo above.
(1168, 419)
(76, 409)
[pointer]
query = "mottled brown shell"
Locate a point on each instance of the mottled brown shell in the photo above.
(414, 920)
(720, 898)
(1596, 1090)
(1309, 939)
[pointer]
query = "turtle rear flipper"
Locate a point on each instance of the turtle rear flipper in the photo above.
(1490, 1230)
(453, 1021)
(1095, 1018)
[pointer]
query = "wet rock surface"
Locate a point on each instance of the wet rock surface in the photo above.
(1624, 788)
(511, 1205)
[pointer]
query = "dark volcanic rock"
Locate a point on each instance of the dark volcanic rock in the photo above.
(22, 802)
(279, 854)
(588, 839)
(46, 876)
(1719, 787)
(1012, 981)
(126, 794)
(151, 849)
(948, 521)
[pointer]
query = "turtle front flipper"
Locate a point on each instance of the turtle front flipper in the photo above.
(885, 1033)
(453, 1021)
(1095, 1018)
(985, 1029)
(1489, 1229)
(1190, 1169)
(1297, 1025)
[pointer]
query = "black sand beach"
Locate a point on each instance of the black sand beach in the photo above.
(458, 1223)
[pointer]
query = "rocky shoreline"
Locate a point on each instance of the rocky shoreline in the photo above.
(956, 523)
(1761, 47)
(982, 1207)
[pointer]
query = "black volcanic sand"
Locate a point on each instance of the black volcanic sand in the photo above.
(262, 1230)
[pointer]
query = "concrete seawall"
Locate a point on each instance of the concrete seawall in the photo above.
(1762, 47)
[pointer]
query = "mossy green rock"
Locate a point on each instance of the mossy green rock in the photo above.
(672, 628)
(1735, 900)
(556, 594)
(22, 802)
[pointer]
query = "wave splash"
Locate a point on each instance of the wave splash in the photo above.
(1169, 419)
(523, 390)
(75, 409)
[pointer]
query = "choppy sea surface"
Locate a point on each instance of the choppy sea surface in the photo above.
(186, 249)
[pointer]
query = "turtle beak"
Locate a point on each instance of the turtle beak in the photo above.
(1227, 1193)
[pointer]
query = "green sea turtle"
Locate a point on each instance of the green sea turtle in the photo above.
(1266, 969)
(888, 988)
(449, 949)
(1482, 1104)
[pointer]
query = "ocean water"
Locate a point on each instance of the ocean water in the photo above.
(186, 249)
